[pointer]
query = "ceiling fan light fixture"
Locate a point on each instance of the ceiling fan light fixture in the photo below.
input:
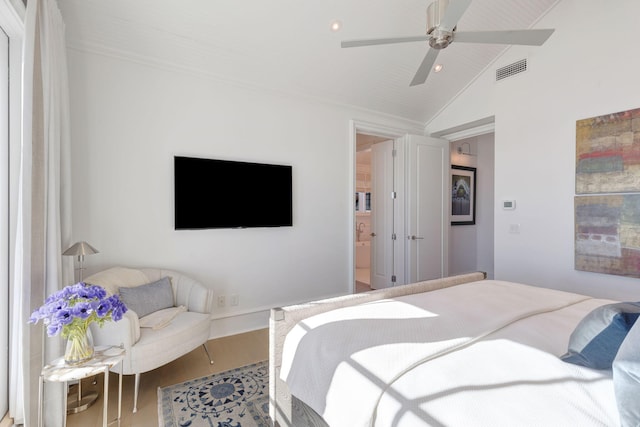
(336, 25)
(438, 68)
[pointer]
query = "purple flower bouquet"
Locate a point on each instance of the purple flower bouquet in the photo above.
(71, 310)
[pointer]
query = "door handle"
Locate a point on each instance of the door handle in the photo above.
(415, 238)
(372, 234)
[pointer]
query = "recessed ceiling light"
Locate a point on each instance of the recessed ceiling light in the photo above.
(336, 25)
(437, 68)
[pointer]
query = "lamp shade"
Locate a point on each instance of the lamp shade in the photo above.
(80, 248)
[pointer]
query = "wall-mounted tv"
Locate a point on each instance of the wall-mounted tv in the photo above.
(211, 193)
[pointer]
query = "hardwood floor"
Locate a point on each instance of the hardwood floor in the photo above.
(227, 353)
(6, 421)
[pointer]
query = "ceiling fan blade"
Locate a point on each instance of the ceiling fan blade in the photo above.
(425, 67)
(520, 37)
(452, 15)
(371, 42)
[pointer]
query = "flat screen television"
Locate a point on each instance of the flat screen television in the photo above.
(211, 193)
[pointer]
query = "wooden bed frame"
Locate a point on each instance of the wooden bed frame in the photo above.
(283, 319)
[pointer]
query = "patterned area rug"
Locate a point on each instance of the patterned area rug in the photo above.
(235, 398)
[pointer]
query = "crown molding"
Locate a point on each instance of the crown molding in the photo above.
(148, 61)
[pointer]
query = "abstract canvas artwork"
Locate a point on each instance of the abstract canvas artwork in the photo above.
(608, 153)
(607, 230)
(607, 224)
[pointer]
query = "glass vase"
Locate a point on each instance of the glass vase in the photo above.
(79, 347)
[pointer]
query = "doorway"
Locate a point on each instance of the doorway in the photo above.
(472, 246)
(408, 201)
(365, 207)
(4, 222)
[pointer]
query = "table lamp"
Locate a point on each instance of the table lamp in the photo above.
(80, 249)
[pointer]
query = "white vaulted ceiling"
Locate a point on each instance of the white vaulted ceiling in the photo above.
(287, 45)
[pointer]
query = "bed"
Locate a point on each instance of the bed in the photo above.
(458, 351)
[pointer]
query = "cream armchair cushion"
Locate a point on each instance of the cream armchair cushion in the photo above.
(150, 348)
(112, 279)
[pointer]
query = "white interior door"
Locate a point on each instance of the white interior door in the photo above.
(382, 215)
(427, 215)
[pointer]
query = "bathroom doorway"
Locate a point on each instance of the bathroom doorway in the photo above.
(402, 212)
(365, 206)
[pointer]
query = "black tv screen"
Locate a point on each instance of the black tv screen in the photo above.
(213, 193)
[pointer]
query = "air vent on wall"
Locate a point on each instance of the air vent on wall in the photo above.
(511, 69)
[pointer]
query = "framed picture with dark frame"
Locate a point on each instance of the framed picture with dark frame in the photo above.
(463, 195)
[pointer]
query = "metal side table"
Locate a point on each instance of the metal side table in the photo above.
(59, 371)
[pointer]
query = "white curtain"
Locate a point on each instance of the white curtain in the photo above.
(44, 211)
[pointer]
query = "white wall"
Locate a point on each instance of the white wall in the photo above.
(128, 121)
(587, 68)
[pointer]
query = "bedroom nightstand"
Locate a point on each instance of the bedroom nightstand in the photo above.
(59, 371)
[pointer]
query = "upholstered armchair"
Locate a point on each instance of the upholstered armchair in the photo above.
(173, 318)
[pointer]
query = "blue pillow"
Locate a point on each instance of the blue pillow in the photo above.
(597, 338)
(146, 299)
(626, 378)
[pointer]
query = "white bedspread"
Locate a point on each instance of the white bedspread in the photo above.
(499, 383)
(350, 364)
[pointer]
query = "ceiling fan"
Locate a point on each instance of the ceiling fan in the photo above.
(442, 18)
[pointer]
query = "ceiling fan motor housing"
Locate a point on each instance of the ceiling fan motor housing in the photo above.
(435, 12)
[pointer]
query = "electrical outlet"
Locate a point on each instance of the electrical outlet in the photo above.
(234, 300)
(222, 301)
